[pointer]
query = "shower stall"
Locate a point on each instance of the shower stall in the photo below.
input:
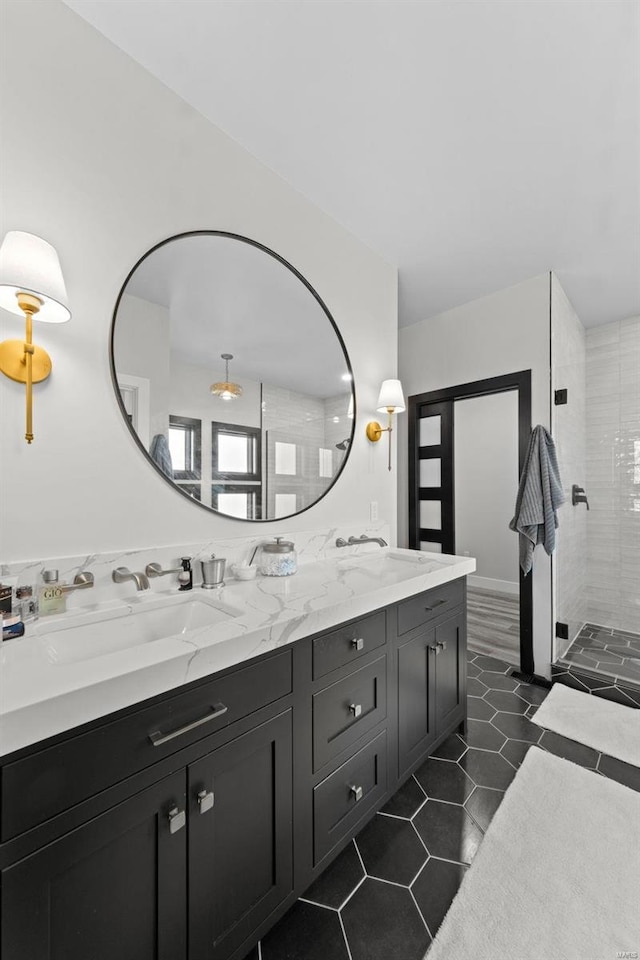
(596, 426)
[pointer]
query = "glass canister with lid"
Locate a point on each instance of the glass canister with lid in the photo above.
(278, 558)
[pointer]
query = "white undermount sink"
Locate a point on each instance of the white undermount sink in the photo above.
(98, 633)
(392, 564)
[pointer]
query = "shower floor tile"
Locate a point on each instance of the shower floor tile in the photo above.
(604, 650)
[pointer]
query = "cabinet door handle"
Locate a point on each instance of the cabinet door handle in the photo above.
(177, 819)
(438, 603)
(357, 793)
(205, 800)
(433, 648)
(158, 738)
(357, 643)
(356, 709)
(442, 644)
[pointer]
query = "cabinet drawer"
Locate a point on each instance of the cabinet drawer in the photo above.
(424, 607)
(347, 709)
(44, 784)
(336, 807)
(346, 645)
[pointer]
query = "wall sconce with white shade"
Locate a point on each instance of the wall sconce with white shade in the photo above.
(391, 399)
(31, 285)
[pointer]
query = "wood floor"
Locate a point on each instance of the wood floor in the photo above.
(493, 624)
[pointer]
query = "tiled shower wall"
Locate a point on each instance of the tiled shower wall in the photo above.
(569, 429)
(613, 474)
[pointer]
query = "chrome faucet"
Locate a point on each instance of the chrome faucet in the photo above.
(155, 570)
(122, 574)
(354, 541)
(81, 581)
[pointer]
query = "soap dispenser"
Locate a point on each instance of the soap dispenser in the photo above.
(51, 596)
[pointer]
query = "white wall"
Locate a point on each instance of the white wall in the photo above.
(114, 163)
(486, 474)
(502, 333)
(569, 432)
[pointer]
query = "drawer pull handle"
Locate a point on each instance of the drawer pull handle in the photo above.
(357, 643)
(356, 709)
(438, 603)
(177, 819)
(205, 800)
(442, 645)
(433, 648)
(357, 793)
(158, 738)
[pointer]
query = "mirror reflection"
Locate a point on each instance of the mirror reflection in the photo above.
(232, 376)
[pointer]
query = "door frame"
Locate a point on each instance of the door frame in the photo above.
(520, 381)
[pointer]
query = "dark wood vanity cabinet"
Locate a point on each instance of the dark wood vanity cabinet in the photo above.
(114, 887)
(240, 837)
(431, 687)
(166, 831)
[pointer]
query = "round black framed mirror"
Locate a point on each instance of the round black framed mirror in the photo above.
(232, 376)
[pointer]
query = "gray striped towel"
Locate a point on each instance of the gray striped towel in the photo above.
(539, 496)
(160, 454)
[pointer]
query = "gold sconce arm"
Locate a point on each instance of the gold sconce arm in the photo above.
(31, 284)
(375, 431)
(23, 362)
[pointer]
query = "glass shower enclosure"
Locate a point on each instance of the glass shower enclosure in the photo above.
(596, 426)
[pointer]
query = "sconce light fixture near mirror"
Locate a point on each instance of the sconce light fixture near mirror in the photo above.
(391, 399)
(31, 285)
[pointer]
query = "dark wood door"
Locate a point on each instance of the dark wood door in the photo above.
(431, 472)
(450, 672)
(416, 704)
(240, 837)
(115, 887)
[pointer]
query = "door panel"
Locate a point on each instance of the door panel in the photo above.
(240, 845)
(115, 887)
(416, 708)
(450, 672)
(431, 516)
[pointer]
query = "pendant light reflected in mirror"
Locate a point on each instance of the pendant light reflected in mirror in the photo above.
(226, 390)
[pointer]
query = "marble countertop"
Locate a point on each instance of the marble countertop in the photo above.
(43, 693)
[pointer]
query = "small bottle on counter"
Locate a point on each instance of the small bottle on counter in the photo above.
(12, 628)
(27, 604)
(51, 598)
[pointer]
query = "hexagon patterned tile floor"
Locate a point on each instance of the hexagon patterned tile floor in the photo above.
(385, 895)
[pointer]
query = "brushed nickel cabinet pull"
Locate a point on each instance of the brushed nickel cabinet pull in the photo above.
(158, 738)
(357, 643)
(442, 644)
(438, 603)
(205, 800)
(357, 793)
(177, 819)
(356, 709)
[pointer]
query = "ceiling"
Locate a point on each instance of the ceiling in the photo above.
(227, 296)
(472, 143)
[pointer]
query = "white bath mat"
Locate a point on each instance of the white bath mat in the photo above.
(557, 875)
(609, 727)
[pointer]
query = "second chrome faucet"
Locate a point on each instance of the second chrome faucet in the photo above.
(122, 574)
